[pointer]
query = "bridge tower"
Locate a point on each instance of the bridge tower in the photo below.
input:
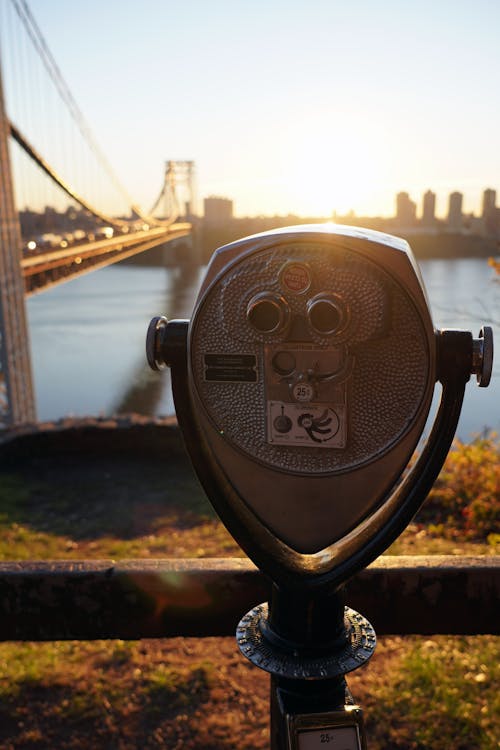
(17, 401)
(179, 171)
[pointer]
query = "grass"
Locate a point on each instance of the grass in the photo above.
(70, 691)
(442, 692)
(118, 509)
(114, 512)
(417, 693)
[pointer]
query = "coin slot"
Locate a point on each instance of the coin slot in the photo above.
(284, 363)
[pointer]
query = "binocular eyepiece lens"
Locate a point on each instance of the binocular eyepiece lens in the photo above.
(326, 315)
(267, 313)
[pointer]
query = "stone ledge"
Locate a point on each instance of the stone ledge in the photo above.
(117, 435)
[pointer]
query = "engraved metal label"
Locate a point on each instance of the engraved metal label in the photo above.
(230, 368)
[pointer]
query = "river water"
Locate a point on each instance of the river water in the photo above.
(87, 337)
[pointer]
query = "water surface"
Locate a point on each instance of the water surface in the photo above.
(87, 336)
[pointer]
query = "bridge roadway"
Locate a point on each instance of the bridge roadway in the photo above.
(47, 269)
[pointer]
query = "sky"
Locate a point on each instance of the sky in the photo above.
(309, 107)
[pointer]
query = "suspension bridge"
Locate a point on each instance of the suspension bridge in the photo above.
(63, 210)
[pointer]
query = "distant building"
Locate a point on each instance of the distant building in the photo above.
(429, 209)
(217, 210)
(489, 214)
(489, 201)
(406, 210)
(455, 211)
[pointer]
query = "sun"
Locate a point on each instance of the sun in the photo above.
(337, 171)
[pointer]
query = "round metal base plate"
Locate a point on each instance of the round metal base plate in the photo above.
(359, 648)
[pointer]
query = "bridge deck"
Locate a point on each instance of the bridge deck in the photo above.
(46, 269)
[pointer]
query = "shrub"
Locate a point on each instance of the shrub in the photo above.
(466, 495)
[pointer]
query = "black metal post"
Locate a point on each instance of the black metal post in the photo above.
(308, 640)
(310, 625)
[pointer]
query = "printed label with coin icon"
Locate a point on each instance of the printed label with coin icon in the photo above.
(318, 425)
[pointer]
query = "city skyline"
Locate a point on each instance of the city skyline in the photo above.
(405, 206)
(406, 210)
(290, 107)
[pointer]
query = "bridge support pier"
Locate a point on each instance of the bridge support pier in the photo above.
(17, 401)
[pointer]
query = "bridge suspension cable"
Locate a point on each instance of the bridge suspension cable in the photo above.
(168, 187)
(32, 152)
(48, 165)
(55, 74)
(53, 179)
(40, 161)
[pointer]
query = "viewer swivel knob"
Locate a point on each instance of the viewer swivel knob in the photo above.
(482, 356)
(155, 340)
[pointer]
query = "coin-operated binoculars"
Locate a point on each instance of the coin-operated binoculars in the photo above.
(302, 385)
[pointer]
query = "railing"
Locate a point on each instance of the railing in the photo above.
(134, 599)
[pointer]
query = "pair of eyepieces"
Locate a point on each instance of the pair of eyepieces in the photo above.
(269, 313)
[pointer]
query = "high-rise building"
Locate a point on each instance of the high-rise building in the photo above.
(429, 209)
(489, 213)
(489, 200)
(217, 210)
(406, 210)
(455, 211)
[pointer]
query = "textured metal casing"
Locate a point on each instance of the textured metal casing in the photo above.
(314, 492)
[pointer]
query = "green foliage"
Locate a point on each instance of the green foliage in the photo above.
(465, 499)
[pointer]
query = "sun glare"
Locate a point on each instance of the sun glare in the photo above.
(338, 171)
